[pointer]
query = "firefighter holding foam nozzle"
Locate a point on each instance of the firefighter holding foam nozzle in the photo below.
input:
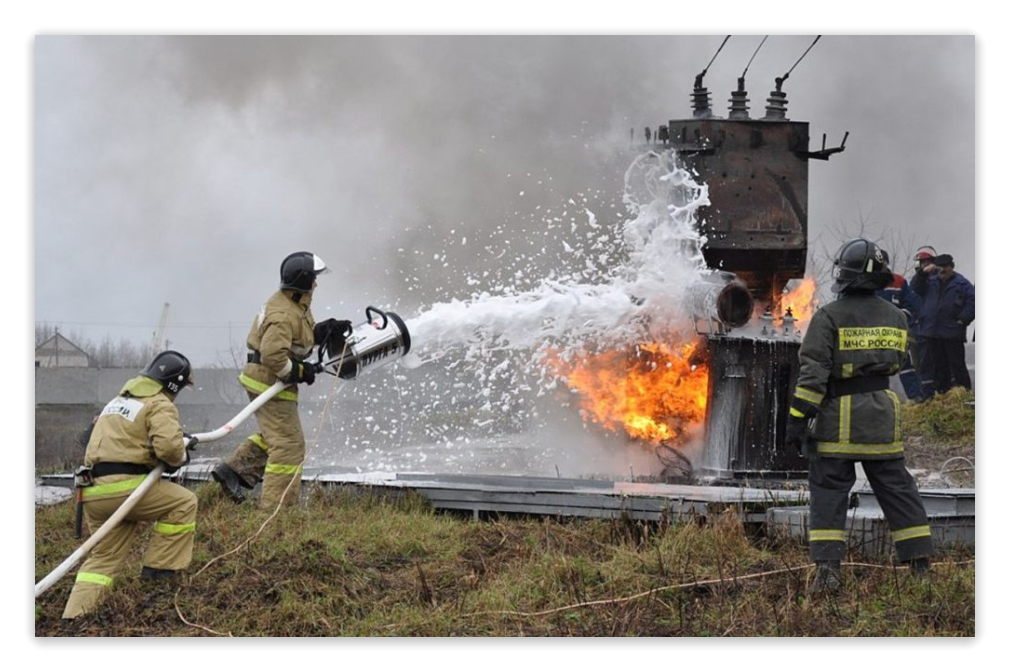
(136, 430)
(279, 342)
(844, 411)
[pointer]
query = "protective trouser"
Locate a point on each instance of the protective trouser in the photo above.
(173, 510)
(831, 479)
(275, 454)
(944, 366)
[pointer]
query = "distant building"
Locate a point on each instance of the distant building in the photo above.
(57, 351)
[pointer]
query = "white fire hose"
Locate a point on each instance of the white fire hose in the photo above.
(153, 477)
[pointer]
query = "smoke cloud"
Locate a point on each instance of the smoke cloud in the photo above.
(183, 169)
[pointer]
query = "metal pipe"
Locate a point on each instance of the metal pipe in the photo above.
(721, 300)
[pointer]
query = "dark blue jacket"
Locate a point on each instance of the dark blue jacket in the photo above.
(901, 295)
(946, 311)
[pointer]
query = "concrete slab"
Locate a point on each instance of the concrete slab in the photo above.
(951, 510)
(868, 532)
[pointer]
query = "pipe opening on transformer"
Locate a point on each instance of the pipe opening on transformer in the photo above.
(719, 303)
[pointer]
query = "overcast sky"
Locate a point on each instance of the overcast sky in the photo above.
(183, 170)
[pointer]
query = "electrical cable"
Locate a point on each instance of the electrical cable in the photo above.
(753, 55)
(803, 56)
(703, 72)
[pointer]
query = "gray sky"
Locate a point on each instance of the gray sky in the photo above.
(183, 170)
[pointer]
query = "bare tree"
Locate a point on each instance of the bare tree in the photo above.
(821, 251)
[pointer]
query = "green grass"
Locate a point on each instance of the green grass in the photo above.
(356, 564)
(946, 419)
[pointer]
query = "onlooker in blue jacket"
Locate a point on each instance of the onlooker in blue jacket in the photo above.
(902, 296)
(948, 308)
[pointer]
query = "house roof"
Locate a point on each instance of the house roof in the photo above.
(59, 345)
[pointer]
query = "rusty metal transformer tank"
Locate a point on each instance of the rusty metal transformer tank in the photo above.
(756, 172)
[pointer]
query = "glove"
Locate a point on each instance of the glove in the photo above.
(330, 335)
(301, 372)
(322, 331)
(796, 434)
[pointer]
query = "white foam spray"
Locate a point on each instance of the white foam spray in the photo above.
(641, 297)
(485, 402)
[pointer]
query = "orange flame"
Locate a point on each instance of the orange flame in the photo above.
(801, 299)
(654, 392)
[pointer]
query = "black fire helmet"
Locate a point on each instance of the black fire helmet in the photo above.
(299, 271)
(171, 369)
(860, 265)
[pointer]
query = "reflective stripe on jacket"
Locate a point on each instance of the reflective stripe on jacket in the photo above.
(856, 336)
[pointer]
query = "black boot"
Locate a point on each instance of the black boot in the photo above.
(920, 567)
(230, 482)
(160, 575)
(828, 578)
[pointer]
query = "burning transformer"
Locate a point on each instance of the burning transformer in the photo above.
(756, 243)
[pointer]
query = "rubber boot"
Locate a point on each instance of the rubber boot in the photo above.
(160, 575)
(920, 567)
(231, 484)
(828, 578)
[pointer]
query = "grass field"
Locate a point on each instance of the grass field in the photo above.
(356, 564)
(344, 565)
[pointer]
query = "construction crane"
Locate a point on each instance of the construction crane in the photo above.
(156, 339)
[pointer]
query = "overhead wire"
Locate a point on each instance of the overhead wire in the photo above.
(779, 80)
(804, 55)
(701, 75)
(753, 56)
(716, 54)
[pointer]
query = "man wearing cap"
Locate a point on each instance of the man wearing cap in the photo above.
(948, 308)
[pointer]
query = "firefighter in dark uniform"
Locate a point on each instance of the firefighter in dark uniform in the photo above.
(843, 411)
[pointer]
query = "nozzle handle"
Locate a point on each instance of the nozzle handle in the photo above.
(368, 315)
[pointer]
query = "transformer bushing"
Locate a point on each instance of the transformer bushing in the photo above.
(738, 100)
(701, 103)
(776, 108)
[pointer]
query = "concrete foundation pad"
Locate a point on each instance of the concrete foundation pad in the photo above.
(951, 515)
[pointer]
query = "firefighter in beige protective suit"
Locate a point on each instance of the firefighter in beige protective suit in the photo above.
(280, 340)
(136, 430)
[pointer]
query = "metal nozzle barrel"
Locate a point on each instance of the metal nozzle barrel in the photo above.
(373, 344)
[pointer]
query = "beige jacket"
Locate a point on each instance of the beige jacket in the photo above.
(140, 426)
(281, 330)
